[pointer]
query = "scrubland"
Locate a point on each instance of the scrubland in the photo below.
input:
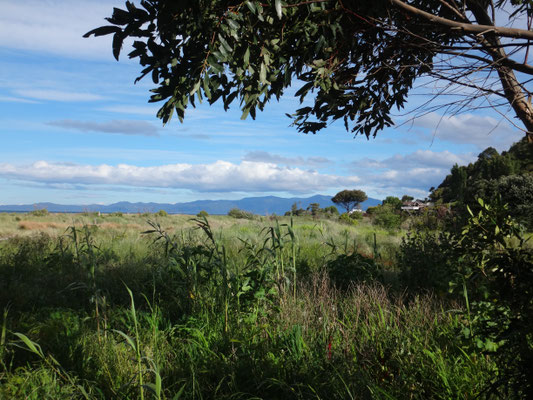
(174, 307)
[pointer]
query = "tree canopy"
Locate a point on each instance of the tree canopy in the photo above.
(494, 177)
(356, 60)
(349, 199)
(394, 202)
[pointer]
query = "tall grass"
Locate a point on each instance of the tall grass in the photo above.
(222, 309)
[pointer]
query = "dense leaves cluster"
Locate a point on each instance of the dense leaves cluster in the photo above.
(508, 175)
(489, 264)
(349, 199)
(356, 60)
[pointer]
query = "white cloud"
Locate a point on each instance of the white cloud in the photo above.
(220, 176)
(11, 99)
(263, 156)
(413, 173)
(420, 158)
(57, 95)
(135, 110)
(56, 27)
(127, 127)
(479, 130)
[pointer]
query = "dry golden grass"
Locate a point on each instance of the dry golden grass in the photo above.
(40, 226)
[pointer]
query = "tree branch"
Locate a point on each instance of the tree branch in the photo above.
(467, 28)
(525, 68)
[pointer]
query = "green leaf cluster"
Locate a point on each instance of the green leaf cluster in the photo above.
(344, 55)
(507, 176)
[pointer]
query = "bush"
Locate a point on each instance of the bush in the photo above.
(238, 213)
(348, 219)
(43, 212)
(426, 262)
(202, 214)
(386, 217)
(348, 269)
(496, 265)
(488, 260)
(161, 213)
(331, 210)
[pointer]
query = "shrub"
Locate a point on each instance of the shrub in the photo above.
(348, 219)
(202, 214)
(161, 213)
(331, 210)
(238, 213)
(426, 261)
(496, 266)
(489, 264)
(386, 217)
(43, 212)
(356, 215)
(348, 269)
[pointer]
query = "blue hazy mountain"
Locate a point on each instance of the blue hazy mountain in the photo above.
(266, 205)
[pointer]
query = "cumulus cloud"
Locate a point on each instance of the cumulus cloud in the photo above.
(263, 156)
(420, 158)
(56, 26)
(125, 127)
(220, 176)
(479, 130)
(413, 173)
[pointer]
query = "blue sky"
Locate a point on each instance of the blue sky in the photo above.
(76, 130)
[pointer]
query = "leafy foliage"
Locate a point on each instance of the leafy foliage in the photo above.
(349, 199)
(43, 212)
(238, 213)
(349, 269)
(489, 264)
(498, 269)
(216, 314)
(386, 216)
(356, 60)
(394, 202)
(508, 176)
(427, 261)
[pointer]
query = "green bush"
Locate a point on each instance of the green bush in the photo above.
(43, 212)
(331, 210)
(489, 265)
(161, 213)
(386, 217)
(496, 267)
(202, 214)
(345, 217)
(348, 269)
(238, 213)
(426, 261)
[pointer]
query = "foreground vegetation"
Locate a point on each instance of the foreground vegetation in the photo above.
(115, 307)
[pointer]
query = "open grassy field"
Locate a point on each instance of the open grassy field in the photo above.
(268, 308)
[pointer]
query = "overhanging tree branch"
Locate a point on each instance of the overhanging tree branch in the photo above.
(358, 60)
(465, 27)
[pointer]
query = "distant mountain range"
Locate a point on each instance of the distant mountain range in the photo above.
(258, 205)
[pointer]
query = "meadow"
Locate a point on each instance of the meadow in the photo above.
(178, 307)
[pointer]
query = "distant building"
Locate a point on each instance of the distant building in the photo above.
(416, 205)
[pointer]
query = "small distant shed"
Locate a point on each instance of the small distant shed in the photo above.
(416, 205)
